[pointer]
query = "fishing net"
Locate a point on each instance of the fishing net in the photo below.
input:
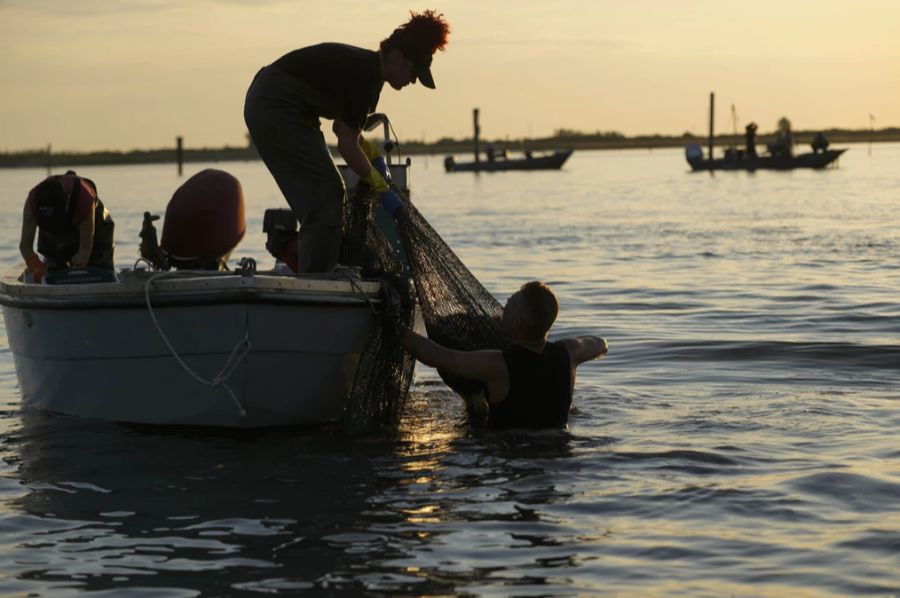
(385, 369)
(457, 310)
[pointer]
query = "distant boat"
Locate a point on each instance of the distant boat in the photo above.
(735, 159)
(546, 161)
(741, 161)
(500, 162)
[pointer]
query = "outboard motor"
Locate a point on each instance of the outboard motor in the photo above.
(204, 221)
(693, 152)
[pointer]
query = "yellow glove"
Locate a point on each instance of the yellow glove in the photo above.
(375, 180)
(376, 157)
(371, 150)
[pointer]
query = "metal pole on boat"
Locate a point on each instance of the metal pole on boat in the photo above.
(477, 132)
(179, 153)
(712, 113)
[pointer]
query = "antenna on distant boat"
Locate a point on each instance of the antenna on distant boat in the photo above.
(734, 120)
(871, 131)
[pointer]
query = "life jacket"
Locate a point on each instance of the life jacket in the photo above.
(58, 238)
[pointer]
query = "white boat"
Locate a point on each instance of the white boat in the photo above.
(190, 348)
(240, 349)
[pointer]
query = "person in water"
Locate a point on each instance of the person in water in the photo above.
(530, 384)
(73, 227)
(341, 83)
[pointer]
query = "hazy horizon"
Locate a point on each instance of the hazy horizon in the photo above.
(129, 75)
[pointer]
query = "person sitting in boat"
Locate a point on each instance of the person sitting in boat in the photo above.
(819, 143)
(490, 153)
(750, 140)
(342, 83)
(783, 146)
(530, 384)
(73, 227)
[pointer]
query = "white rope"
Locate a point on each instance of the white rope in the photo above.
(241, 349)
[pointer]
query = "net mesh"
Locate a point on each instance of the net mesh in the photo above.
(457, 310)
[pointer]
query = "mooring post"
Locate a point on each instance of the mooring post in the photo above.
(712, 112)
(477, 133)
(179, 153)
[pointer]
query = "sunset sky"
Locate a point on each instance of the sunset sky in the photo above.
(133, 74)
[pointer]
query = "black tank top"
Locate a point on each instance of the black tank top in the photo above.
(540, 389)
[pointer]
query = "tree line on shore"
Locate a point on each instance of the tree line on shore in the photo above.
(562, 138)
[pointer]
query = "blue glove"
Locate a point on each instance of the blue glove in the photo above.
(380, 164)
(391, 202)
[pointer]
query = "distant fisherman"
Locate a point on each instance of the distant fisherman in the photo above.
(342, 83)
(530, 384)
(72, 225)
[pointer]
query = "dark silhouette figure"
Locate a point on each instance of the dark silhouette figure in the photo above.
(819, 143)
(784, 140)
(750, 139)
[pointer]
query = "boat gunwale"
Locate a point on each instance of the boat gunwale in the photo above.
(189, 288)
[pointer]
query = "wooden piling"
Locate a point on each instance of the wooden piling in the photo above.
(477, 133)
(712, 112)
(179, 154)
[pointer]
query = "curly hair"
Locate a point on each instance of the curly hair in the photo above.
(420, 37)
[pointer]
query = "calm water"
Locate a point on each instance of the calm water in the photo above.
(740, 438)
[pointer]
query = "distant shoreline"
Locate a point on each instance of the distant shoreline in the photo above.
(565, 139)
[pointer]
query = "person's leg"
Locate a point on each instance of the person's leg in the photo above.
(293, 148)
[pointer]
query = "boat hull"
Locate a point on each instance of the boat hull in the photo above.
(810, 160)
(553, 161)
(294, 344)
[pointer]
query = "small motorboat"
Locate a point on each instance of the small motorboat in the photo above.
(741, 161)
(544, 161)
(780, 157)
(500, 161)
(237, 349)
(196, 344)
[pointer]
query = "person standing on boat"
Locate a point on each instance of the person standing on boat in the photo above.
(750, 139)
(73, 227)
(530, 384)
(342, 83)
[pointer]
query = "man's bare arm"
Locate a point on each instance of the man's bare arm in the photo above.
(585, 348)
(348, 146)
(29, 229)
(486, 366)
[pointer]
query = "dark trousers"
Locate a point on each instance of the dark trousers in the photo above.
(289, 139)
